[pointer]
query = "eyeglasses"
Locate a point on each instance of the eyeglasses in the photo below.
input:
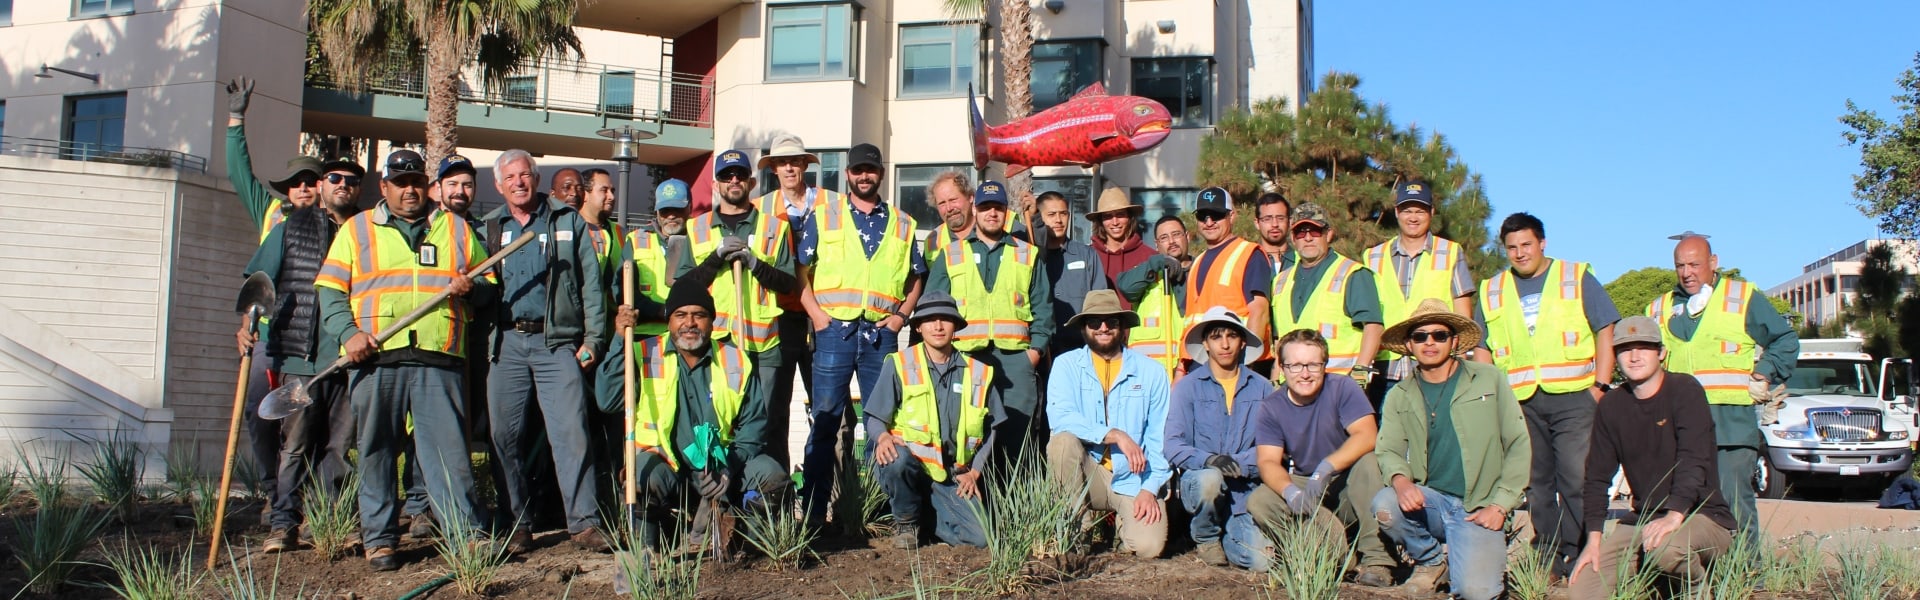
(1098, 323)
(1438, 337)
(1298, 368)
(1209, 217)
(1272, 219)
(1308, 232)
(343, 179)
(732, 176)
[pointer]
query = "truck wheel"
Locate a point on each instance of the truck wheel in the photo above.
(1769, 482)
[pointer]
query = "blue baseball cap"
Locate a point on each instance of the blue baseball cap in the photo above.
(671, 193)
(990, 191)
(454, 163)
(1413, 191)
(730, 159)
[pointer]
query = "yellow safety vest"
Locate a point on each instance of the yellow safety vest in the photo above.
(999, 318)
(382, 275)
(1432, 278)
(918, 418)
(275, 214)
(606, 243)
(760, 319)
(649, 275)
(937, 241)
(1557, 356)
(1326, 312)
(1162, 328)
(1721, 354)
(658, 402)
(848, 285)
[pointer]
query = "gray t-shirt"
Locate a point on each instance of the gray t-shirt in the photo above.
(1311, 433)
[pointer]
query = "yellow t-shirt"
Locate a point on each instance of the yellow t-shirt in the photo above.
(1107, 371)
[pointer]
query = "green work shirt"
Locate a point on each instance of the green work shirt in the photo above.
(1040, 331)
(694, 399)
(1779, 343)
(680, 256)
(1446, 473)
(254, 195)
(1363, 297)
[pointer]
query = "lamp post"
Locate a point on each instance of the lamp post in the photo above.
(626, 149)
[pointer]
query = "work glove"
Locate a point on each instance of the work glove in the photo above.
(711, 483)
(1298, 502)
(747, 258)
(1768, 398)
(1225, 464)
(239, 93)
(1315, 485)
(729, 246)
(1169, 265)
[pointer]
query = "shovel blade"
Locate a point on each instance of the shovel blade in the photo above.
(285, 400)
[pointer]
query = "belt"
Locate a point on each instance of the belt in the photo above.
(527, 326)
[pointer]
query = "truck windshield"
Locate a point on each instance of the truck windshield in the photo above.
(1851, 378)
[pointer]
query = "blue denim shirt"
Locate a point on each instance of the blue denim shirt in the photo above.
(1136, 405)
(1198, 426)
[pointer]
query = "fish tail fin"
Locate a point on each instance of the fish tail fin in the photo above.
(978, 130)
(1013, 169)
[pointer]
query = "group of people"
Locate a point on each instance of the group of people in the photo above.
(1389, 398)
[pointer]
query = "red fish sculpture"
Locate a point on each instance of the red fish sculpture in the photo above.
(1088, 129)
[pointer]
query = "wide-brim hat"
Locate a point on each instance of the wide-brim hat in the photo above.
(937, 305)
(1114, 199)
(785, 146)
(1104, 303)
(1196, 340)
(296, 166)
(1430, 311)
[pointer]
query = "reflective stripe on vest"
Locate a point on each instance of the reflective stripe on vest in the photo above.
(382, 276)
(276, 214)
(848, 285)
(1432, 278)
(657, 403)
(1326, 312)
(649, 275)
(1721, 354)
(917, 421)
(760, 321)
(998, 318)
(1223, 282)
(1161, 329)
(1557, 356)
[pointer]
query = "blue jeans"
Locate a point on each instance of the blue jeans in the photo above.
(1476, 556)
(1204, 492)
(908, 487)
(843, 350)
(527, 371)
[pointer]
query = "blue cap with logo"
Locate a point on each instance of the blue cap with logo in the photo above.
(990, 192)
(671, 194)
(731, 159)
(1413, 191)
(453, 163)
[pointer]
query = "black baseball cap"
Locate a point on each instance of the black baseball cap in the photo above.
(865, 154)
(1214, 200)
(404, 162)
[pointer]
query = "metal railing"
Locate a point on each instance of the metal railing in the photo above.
(102, 153)
(555, 85)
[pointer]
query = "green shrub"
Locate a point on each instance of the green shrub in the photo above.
(333, 516)
(876, 514)
(48, 545)
(46, 479)
(153, 574)
(243, 581)
(1313, 557)
(471, 557)
(1529, 573)
(1792, 569)
(1860, 573)
(778, 534)
(1027, 521)
(114, 474)
(671, 573)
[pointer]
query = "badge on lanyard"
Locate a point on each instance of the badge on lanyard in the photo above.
(429, 255)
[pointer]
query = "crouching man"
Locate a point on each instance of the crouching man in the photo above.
(1210, 436)
(1108, 409)
(1658, 429)
(1315, 441)
(700, 420)
(1455, 451)
(935, 411)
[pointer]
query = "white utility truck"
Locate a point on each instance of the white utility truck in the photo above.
(1847, 420)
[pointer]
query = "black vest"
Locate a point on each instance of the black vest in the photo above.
(305, 239)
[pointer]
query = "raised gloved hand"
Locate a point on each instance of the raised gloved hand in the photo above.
(1298, 502)
(1225, 464)
(239, 93)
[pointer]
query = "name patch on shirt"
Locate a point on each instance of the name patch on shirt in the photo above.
(957, 389)
(1076, 265)
(564, 235)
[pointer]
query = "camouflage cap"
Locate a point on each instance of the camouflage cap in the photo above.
(1640, 329)
(1308, 212)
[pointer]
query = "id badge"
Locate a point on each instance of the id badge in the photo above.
(429, 255)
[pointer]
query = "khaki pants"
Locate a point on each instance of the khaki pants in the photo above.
(1344, 506)
(1685, 554)
(1074, 468)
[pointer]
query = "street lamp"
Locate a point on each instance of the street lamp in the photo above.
(626, 149)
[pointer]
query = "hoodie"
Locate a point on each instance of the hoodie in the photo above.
(1132, 254)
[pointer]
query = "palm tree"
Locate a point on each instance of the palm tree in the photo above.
(1016, 61)
(502, 35)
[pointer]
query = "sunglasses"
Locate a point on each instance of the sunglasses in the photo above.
(1209, 217)
(343, 179)
(1308, 232)
(732, 175)
(304, 181)
(1421, 337)
(406, 164)
(1098, 323)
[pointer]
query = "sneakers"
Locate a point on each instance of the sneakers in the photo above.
(1212, 554)
(382, 558)
(591, 539)
(1425, 579)
(1373, 576)
(906, 536)
(279, 541)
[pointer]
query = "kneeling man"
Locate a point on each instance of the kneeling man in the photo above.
(1210, 436)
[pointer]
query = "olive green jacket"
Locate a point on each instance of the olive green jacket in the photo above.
(1495, 450)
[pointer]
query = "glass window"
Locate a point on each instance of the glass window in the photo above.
(1079, 192)
(93, 8)
(910, 191)
(6, 12)
(937, 60)
(830, 173)
(522, 89)
(810, 42)
(1161, 202)
(1061, 69)
(616, 93)
(1183, 85)
(95, 125)
(3, 113)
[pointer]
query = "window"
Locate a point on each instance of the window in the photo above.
(1061, 69)
(95, 125)
(829, 173)
(1183, 85)
(1079, 192)
(910, 191)
(616, 93)
(92, 8)
(3, 114)
(1161, 202)
(6, 12)
(810, 42)
(522, 89)
(938, 60)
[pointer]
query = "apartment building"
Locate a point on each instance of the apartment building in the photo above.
(1826, 286)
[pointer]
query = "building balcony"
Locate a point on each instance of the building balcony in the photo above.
(103, 153)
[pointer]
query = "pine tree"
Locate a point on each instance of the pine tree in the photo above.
(1345, 154)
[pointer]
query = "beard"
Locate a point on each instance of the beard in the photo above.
(1109, 348)
(699, 344)
(674, 229)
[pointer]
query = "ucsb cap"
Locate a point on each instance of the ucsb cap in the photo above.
(990, 192)
(453, 163)
(1413, 191)
(730, 159)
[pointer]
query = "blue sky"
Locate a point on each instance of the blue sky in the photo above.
(1620, 123)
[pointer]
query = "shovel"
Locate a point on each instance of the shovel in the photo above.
(285, 400)
(256, 298)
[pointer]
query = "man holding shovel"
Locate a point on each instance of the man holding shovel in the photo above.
(384, 263)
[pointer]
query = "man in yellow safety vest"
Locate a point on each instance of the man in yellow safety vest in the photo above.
(1415, 266)
(1328, 293)
(1157, 289)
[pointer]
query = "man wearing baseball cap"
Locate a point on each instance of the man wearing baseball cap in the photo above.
(1003, 293)
(1210, 436)
(1413, 267)
(453, 187)
(862, 272)
(1331, 294)
(1231, 272)
(1659, 429)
